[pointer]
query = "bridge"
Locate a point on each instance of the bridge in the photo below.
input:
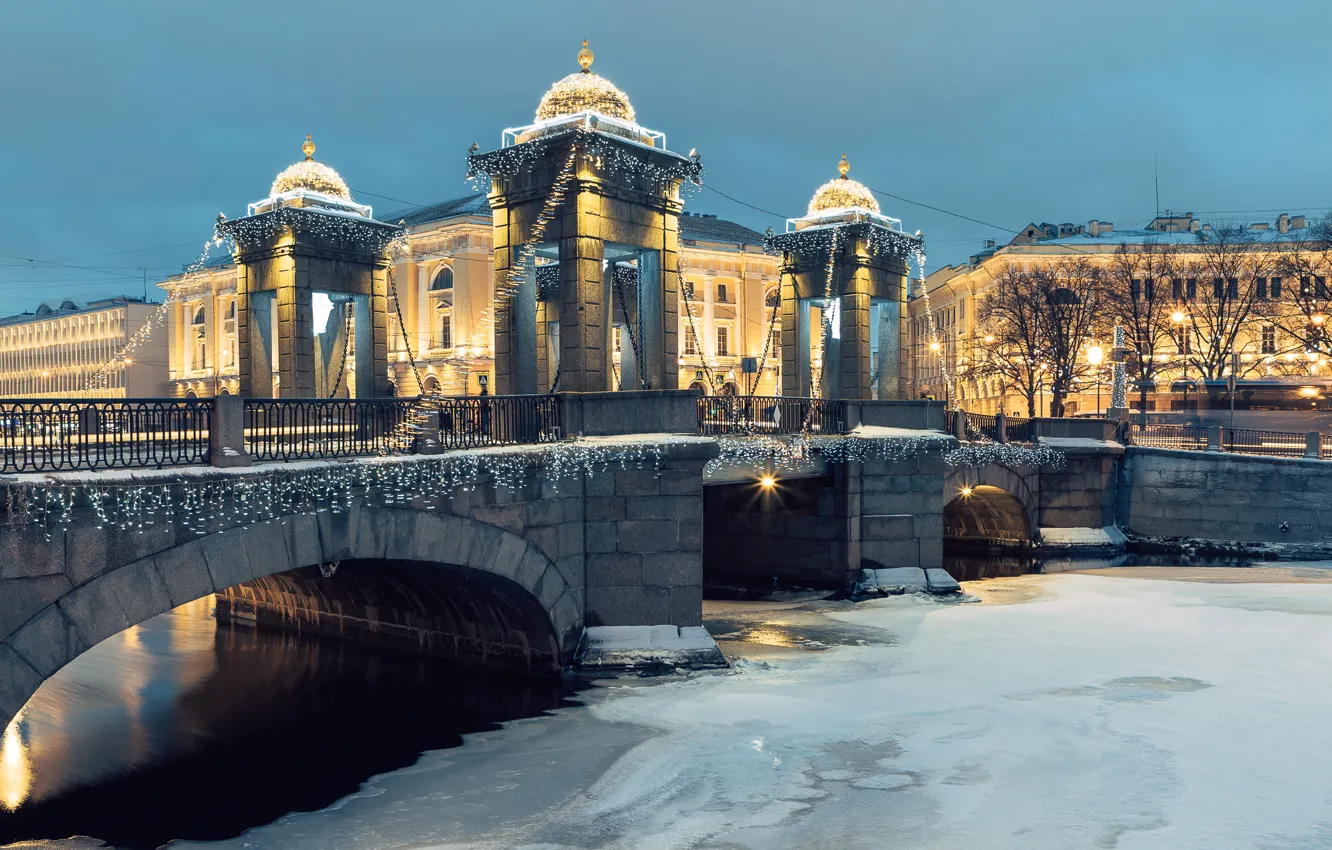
(497, 530)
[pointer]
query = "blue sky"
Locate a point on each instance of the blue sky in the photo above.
(128, 126)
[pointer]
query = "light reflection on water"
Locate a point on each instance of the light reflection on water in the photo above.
(106, 713)
(131, 742)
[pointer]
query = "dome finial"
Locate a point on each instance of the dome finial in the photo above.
(308, 147)
(843, 167)
(585, 57)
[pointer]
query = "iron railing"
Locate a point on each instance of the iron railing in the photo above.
(1274, 443)
(1019, 430)
(980, 426)
(721, 414)
(1237, 440)
(496, 420)
(50, 435)
(295, 429)
(1168, 436)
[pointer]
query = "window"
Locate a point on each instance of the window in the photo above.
(773, 299)
(1191, 287)
(1320, 287)
(1183, 341)
(1135, 288)
(616, 336)
(775, 345)
(1218, 290)
(723, 341)
(441, 298)
(1274, 288)
(229, 334)
(1260, 288)
(198, 338)
(1177, 289)
(1269, 340)
(443, 280)
(690, 341)
(443, 326)
(721, 294)
(688, 288)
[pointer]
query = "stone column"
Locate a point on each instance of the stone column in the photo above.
(523, 334)
(854, 316)
(584, 329)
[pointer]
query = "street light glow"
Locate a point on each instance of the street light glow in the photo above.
(1095, 355)
(966, 492)
(767, 482)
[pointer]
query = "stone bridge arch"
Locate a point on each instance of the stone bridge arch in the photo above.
(123, 596)
(990, 502)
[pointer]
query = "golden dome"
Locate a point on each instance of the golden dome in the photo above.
(311, 176)
(584, 91)
(842, 192)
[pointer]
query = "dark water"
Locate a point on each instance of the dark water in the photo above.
(179, 728)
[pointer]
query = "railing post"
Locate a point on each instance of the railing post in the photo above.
(427, 438)
(1313, 445)
(960, 424)
(1000, 427)
(226, 433)
(1214, 438)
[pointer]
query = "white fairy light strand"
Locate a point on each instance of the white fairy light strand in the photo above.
(101, 377)
(206, 505)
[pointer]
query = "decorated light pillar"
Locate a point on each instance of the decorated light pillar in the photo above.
(843, 287)
(588, 190)
(312, 289)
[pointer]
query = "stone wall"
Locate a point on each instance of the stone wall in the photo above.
(616, 547)
(901, 510)
(1225, 497)
(820, 532)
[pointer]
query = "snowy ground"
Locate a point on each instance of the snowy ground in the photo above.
(1094, 711)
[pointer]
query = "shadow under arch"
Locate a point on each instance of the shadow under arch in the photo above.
(136, 591)
(994, 496)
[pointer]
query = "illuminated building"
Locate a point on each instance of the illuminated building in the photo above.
(57, 350)
(957, 343)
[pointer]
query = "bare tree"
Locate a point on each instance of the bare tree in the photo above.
(1013, 348)
(1036, 323)
(1218, 296)
(1304, 312)
(1073, 301)
(1138, 293)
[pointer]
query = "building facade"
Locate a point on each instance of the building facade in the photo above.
(949, 335)
(66, 350)
(444, 287)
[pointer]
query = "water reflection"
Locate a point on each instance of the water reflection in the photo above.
(136, 741)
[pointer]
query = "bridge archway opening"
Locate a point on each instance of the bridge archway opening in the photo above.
(447, 611)
(984, 517)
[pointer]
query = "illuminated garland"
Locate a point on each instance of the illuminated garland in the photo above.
(879, 239)
(372, 236)
(205, 505)
(825, 322)
(795, 452)
(612, 157)
(99, 379)
(990, 453)
(950, 390)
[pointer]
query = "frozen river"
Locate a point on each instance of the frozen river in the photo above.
(1064, 711)
(1090, 711)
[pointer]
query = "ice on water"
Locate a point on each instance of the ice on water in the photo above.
(1105, 712)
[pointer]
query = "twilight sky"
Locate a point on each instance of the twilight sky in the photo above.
(128, 126)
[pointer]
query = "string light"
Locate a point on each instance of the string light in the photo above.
(203, 505)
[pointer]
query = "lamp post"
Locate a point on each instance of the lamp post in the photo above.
(1095, 356)
(1179, 318)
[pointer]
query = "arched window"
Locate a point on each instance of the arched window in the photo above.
(431, 386)
(773, 299)
(198, 338)
(441, 302)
